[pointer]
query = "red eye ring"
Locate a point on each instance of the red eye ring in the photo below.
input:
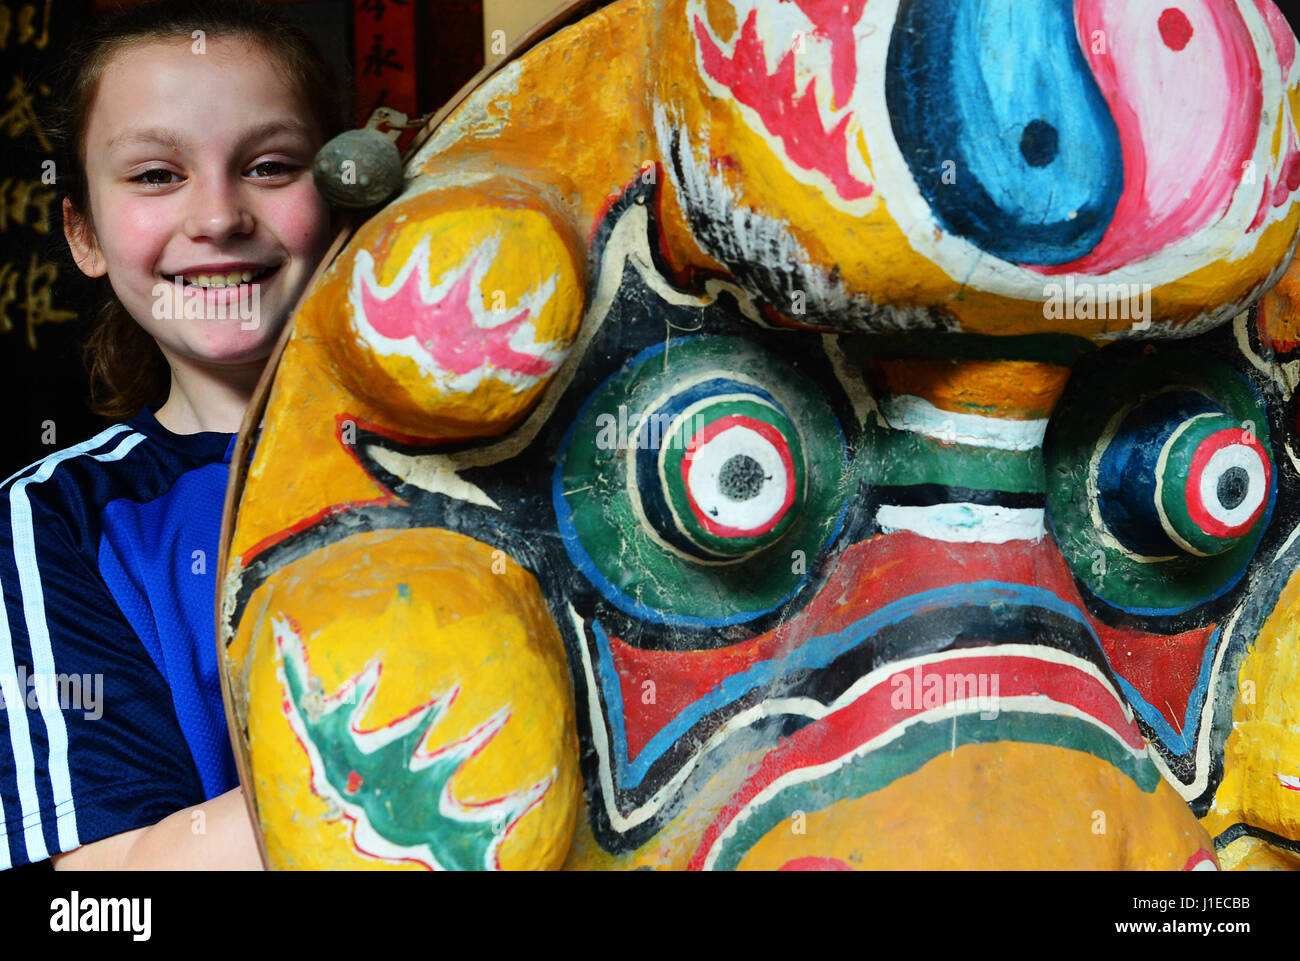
(1227, 446)
(778, 444)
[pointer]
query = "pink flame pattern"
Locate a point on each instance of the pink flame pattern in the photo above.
(446, 328)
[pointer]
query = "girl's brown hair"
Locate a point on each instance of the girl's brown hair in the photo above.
(127, 370)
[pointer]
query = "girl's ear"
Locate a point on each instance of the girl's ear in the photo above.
(81, 239)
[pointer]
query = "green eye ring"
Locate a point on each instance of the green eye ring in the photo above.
(727, 481)
(705, 421)
(1215, 485)
(1133, 493)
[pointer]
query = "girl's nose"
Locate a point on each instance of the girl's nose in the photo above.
(217, 211)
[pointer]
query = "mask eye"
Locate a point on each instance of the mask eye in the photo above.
(1181, 475)
(1161, 482)
(1002, 93)
(1226, 489)
(725, 479)
(686, 490)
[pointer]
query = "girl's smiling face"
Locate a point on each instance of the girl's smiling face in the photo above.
(200, 164)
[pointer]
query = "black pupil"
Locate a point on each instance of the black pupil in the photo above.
(1039, 143)
(741, 477)
(1233, 484)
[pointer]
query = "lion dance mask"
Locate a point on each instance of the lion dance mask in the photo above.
(797, 434)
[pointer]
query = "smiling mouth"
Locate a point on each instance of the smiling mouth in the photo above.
(220, 281)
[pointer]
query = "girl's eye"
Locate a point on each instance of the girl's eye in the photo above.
(148, 177)
(277, 167)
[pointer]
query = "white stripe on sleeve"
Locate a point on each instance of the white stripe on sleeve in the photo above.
(33, 604)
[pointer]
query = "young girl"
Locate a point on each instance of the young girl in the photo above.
(189, 131)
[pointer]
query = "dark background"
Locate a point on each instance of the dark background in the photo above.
(410, 54)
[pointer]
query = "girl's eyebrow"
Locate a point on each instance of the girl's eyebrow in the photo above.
(168, 138)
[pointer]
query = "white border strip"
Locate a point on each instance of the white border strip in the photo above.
(917, 415)
(963, 523)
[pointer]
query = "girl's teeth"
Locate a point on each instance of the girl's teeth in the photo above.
(232, 279)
